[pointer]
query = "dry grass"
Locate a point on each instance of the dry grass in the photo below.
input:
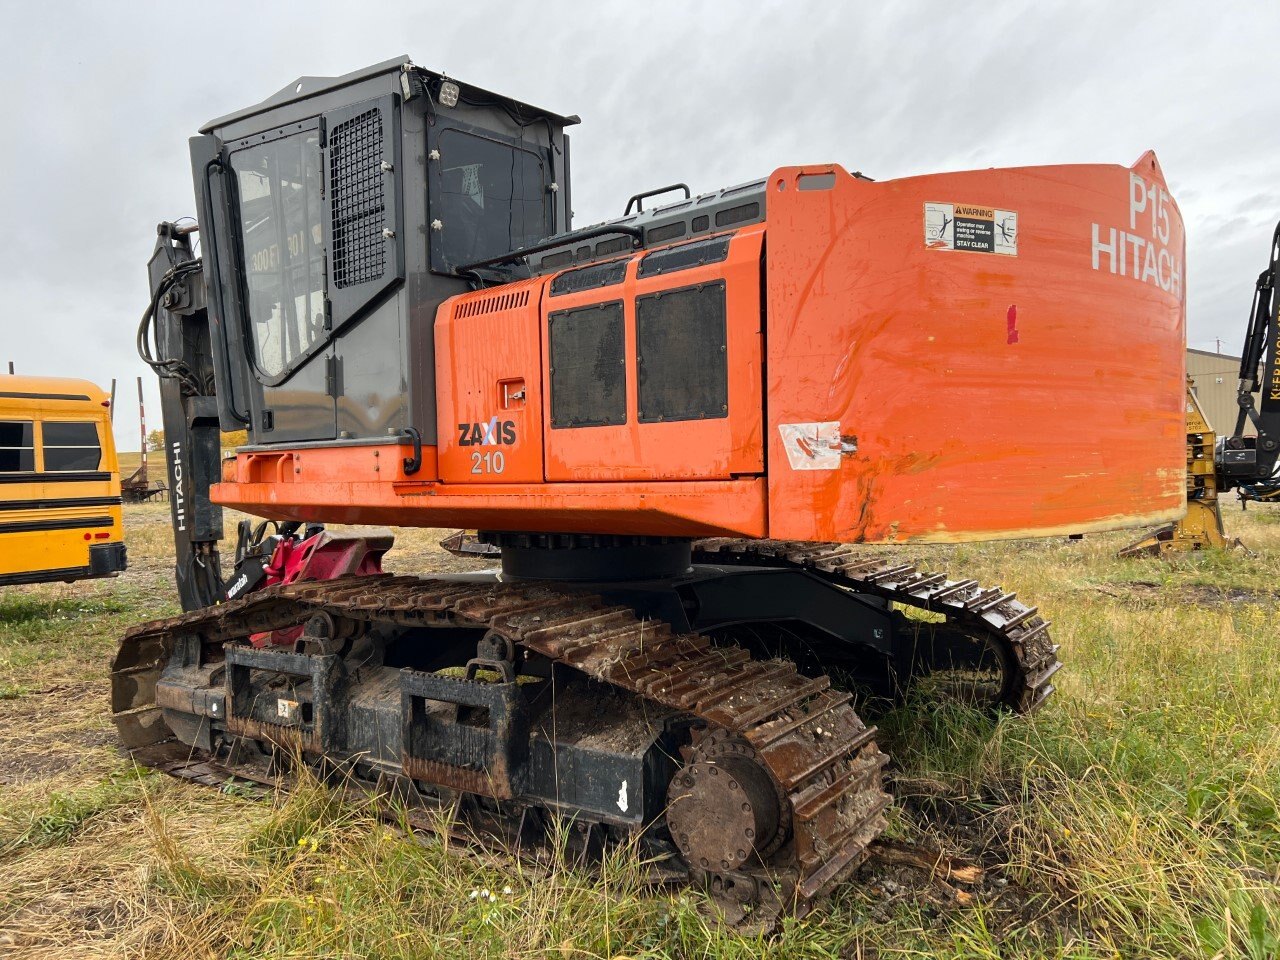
(130, 459)
(1135, 817)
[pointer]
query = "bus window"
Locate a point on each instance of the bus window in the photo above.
(17, 451)
(71, 446)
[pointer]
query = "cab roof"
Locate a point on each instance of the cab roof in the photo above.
(305, 88)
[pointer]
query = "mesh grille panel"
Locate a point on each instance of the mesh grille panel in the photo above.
(681, 354)
(588, 375)
(589, 278)
(685, 256)
(358, 204)
(668, 232)
(748, 211)
(620, 245)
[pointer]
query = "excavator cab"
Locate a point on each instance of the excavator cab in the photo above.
(338, 214)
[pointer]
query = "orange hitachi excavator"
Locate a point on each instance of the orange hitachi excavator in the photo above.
(675, 432)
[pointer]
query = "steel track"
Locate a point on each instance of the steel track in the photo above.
(820, 756)
(1012, 629)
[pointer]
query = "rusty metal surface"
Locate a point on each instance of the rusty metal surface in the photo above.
(609, 643)
(724, 806)
(817, 756)
(288, 738)
(480, 782)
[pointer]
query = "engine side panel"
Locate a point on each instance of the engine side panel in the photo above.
(675, 334)
(489, 374)
(975, 355)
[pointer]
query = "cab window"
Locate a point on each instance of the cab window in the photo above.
(17, 446)
(70, 445)
(491, 198)
(281, 203)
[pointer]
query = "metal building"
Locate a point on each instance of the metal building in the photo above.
(1216, 377)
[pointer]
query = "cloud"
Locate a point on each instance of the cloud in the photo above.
(99, 105)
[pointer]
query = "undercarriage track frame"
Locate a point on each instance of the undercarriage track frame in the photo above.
(1015, 632)
(821, 758)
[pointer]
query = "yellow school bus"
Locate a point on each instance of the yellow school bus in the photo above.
(59, 482)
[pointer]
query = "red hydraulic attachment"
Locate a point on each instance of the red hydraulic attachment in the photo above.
(323, 556)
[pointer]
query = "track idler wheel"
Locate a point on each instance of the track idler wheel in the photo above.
(724, 808)
(326, 635)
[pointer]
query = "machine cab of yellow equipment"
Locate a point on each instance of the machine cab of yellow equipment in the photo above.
(59, 482)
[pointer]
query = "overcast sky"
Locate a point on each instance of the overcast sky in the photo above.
(101, 98)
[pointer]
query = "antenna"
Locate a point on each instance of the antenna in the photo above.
(113, 400)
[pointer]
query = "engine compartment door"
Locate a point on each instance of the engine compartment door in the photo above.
(489, 386)
(653, 364)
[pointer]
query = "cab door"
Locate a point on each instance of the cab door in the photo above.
(313, 210)
(279, 196)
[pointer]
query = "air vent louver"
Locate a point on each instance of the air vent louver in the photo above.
(511, 300)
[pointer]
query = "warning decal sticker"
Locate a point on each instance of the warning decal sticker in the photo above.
(963, 226)
(816, 446)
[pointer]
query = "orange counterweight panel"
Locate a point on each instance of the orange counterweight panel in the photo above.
(989, 354)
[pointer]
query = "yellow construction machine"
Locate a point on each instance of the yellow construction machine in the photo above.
(1246, 464)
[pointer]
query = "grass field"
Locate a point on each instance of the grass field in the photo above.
(129, 460)
(1135, 817)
